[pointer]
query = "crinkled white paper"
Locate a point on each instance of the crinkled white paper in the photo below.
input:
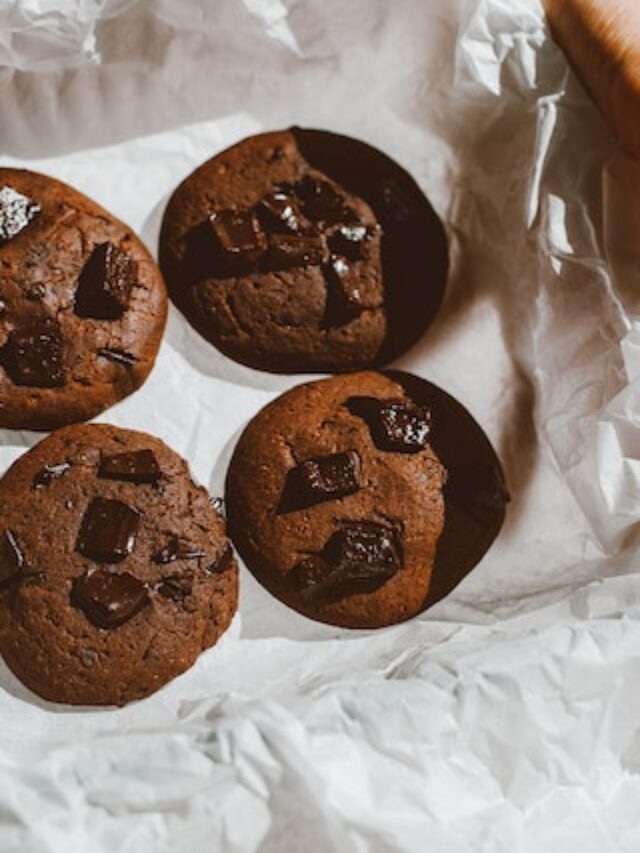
(506, 718)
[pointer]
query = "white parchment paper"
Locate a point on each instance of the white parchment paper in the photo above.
(507, 717)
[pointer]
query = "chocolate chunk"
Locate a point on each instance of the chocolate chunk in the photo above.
(11, 558)
(108, 599)
(177, 549)
(317, 480)
(239, 240)
(344, 300)
(34, 355)
(321, 203)
(136, 466)
(348, 281)
(236, 230)
(49, 473)
(349, 241)
(105, 283)
(175, 588)
(222, 562)
(287, 251)
(360, 557)
(108, 531)
(396, 425)
(16, 212)
(118, 356)
(3, 308)
(363, 549)
(280, 211)
(478, 490)
(310, 577)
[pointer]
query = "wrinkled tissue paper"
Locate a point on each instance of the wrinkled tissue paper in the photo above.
(506, 717)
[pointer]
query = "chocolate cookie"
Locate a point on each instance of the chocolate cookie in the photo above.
(82, 305)
(357, 500)
(302, 250)
(115, 571)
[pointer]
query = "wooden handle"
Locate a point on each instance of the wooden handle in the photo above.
(602, 40)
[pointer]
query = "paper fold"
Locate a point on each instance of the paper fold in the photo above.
(503, 719)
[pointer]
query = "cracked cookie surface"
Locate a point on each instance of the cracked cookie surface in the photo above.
(82, 305)
(115, 569)
(358, 499)
(302, 250)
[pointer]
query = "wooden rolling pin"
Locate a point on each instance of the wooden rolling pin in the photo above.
(602, 40)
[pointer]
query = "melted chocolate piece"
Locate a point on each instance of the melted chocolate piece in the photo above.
(175, 588)
(108, 599)
(118, 356)
(287, 251)
(363, 549)
(221, 563)
(310, 577)
(177, 549)
(49, 473)
(344, 296)
(108, 531)
(321, 203)
(11, 558)
(34, 355)
(401, 426)
(280, 211)
(318, 480)
(105, 283)
(239, 240)
(16, 212)
(348, 281)
(358, 558)
(349, 241)
(137, 466)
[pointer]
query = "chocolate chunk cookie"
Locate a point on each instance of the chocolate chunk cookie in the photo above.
(115, 570)
(82, 305)
(361, 499)
(302, 250)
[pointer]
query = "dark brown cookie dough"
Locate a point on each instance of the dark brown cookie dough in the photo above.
(115, 570)
(303, 250)
(338, 496)
(82, 305)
